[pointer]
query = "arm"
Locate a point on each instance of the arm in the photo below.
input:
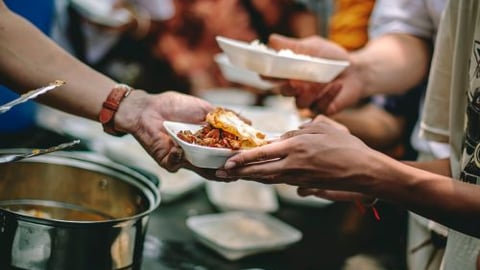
(322, 156)
(28, 59)
(448, 201)
(438, 166)
(390, 64)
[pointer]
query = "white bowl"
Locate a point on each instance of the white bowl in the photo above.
(273, 64)
(238, 234)
(241, 75)
(200, 156)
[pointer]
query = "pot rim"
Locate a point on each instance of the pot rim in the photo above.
(92, 161)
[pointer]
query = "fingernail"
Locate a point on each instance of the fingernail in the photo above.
(221, 174)
(229, 165)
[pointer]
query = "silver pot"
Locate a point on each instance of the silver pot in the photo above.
(87, 214)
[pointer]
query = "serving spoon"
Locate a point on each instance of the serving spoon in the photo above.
(36, 152)
(30, 95)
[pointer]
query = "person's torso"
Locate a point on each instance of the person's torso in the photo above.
(462, 251)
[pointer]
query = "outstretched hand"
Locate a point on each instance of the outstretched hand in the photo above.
(319, 155)
(327, 98)
(142, 115)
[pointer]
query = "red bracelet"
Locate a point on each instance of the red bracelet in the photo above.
(110, 107)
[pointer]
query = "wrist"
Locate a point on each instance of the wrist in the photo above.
(129, 112)
(110, 107)
(359, 73)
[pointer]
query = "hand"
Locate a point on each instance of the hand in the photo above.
(321, 97)
(319, 155)
(142, 115)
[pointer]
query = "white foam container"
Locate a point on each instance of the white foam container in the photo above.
(242, 195)
(241, 75)
(235, 235)
(286, 66)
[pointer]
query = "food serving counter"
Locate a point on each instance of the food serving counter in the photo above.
(330, 234)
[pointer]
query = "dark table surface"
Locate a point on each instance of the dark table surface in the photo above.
(331, 234)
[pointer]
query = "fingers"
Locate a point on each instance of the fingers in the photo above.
(277, 42)
(315, 96)
(325, 98)
(286, 89)
(342, 100)
(174, 159)
(333, 195)
(266, 179)
(258, 154)
(161, 149)
(290, 134)
(208, 173)
(258, 171)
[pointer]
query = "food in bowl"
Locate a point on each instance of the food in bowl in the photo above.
(283, 52)
(225, 129)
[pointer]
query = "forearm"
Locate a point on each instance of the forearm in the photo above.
(391, 64)
(437, 166)
(28, 59)
(448, 201)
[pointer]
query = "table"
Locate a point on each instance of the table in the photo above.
(331, 233)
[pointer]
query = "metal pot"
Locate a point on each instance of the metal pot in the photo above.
(93, 213)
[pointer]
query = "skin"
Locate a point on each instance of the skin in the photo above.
(28, 59)
(390, 64)
(376, 127)
(340, 166)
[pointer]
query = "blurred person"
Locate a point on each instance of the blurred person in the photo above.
(286, 17)
(389, 126)
(384, 128)
(115, 36)
(188, 44)
(188, 40)
(426, 239)
(30, 59)
(386, 124)
(22, 117)
(348, 24)
(322, 156)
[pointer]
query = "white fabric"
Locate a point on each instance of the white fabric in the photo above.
(436, 149)
(419, 18)
(457, 53)
(98, 42)
(158, 9)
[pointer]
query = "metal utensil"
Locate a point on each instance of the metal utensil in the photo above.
(36, 152)
(30, 95)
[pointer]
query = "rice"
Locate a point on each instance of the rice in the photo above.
(283, 52)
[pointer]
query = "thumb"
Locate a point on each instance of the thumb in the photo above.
(278, 42)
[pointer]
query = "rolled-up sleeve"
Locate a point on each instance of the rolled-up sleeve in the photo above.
(401, 16)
